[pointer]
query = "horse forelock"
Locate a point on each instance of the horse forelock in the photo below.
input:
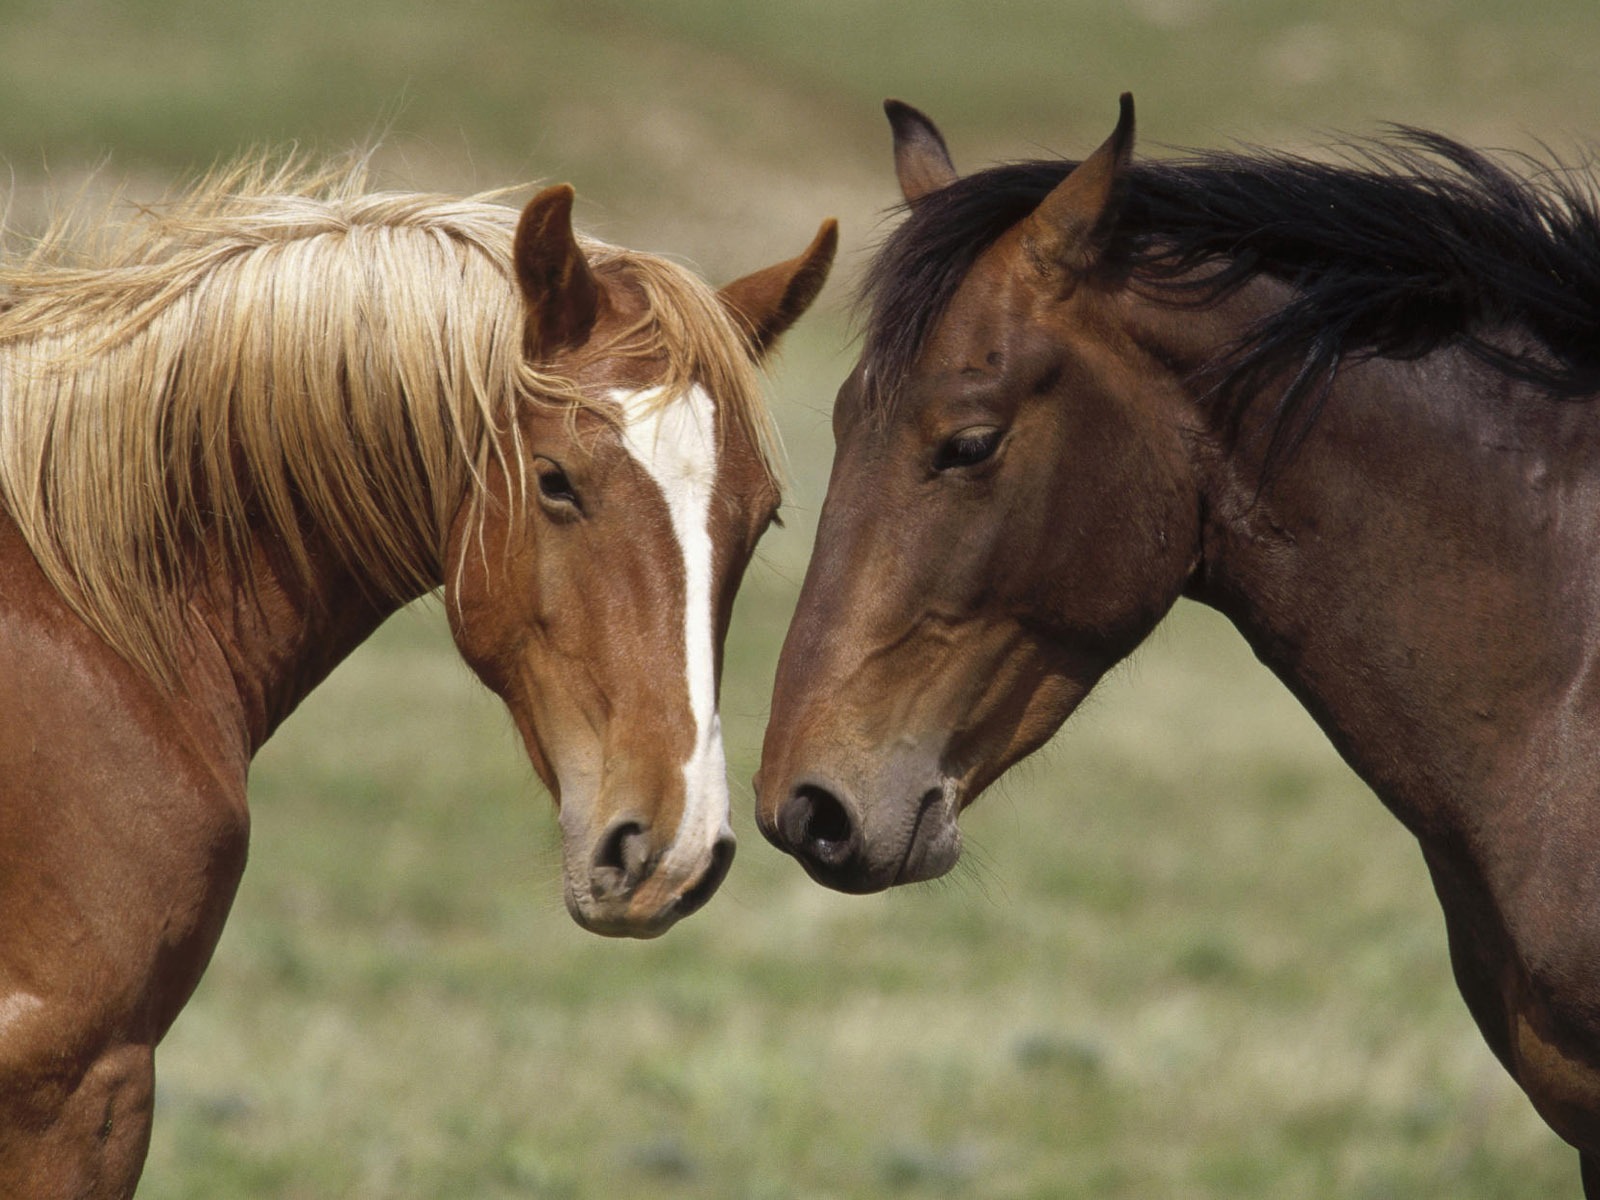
(281, 346)
(690, 332)
(924, 260)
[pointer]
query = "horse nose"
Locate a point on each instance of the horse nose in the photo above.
(622, 859)
(818, 825)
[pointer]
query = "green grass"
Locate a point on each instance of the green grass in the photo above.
(1187, 954)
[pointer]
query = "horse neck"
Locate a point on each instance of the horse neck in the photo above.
(276, 632)
(1418, 573)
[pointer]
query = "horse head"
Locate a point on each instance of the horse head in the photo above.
(591, 581)
(995, 533)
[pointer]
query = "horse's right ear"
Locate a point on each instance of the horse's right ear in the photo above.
(769, 301)
(921, 159)
(560, 290)
(1069, 228)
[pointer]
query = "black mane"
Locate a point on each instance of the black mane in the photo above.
(1408, 246)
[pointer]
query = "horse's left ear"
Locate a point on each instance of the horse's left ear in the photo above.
(921, 159)
(1070, 226)
(768, 302)
(560, 290)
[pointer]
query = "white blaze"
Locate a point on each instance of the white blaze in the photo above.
(676, 443)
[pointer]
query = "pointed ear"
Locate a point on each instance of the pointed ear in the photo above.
(1069, 228)
(768, 302)
(921, 159)
(560, 291)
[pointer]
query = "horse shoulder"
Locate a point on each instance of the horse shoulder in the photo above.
(122, 839)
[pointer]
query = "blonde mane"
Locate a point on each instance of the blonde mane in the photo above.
(279, 350)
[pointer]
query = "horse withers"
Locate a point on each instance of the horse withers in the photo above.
(237, 438)
(1352, 406)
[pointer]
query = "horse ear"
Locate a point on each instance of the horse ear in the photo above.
(560, 290)
(1070, 226)
(768, 302)
(921, 159)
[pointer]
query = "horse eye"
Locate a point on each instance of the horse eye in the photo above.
(555, 486)
(968, 448)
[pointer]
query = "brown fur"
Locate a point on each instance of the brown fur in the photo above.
(230, 446)
(1419, 573)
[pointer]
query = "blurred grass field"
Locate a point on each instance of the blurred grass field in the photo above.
(1188, 954)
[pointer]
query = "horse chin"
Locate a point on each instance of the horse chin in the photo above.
(611, 919)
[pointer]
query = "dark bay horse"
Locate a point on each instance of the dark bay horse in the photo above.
(1351, 406)
(237, 438)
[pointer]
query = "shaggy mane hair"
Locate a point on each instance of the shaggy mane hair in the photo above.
(1408, 245)
(278, 350)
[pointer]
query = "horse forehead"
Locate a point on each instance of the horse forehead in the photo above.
(1000, 301)
(674, 437)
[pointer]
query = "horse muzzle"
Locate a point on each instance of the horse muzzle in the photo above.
(901, 828)
(622, 885)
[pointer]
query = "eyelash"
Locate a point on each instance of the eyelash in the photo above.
(967, 449)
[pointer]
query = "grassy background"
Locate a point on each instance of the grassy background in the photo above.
(1188, 955)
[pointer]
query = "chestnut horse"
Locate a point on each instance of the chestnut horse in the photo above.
(1351, 406)
(232, 442)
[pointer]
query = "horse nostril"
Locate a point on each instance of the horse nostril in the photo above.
(816, 823)
(621, 860)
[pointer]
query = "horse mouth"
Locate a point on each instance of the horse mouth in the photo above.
(934, 846)
(695, 897)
